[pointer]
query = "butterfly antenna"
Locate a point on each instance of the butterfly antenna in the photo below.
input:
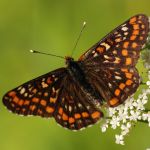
(38, 52)
(83, 26)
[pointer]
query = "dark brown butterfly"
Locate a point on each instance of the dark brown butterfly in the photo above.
(104, 73)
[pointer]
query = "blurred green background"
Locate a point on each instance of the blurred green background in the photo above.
(53, 26)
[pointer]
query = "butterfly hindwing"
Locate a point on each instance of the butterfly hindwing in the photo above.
(115, 84)
(74, 112)
(36, 97)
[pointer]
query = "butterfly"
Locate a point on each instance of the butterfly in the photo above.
(74, 95)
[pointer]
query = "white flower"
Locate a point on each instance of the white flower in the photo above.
(144, 116)
(148, 83)
(104, 127)
(119, 139)
(129, 103)
(115, 122)
(111, 111)
(123, 116)
(125, 128)
(135, 115)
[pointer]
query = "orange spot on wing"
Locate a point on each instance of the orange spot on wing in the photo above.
(135, 32)
(85, 114)
(126, 44)
(129, 82)
(20, 103)
(117, 92)
(135, 26)
(60, 111)
(118, 40)
(100, 49)
(132, 20)
(12, 94)
(16, 99)
(128, 61)
(35, 100)
(32, 107)
(141, 37)
(34, 91)
(39, 112)
(124, 52)
(49, 80)
(52, 100)
(95, 115)
(64, 116)
(122, 86)
(128, 75)
(113, 101)
(27, 102)
(124, 70)
(49, 109)
(71, 120)
(133, 37)
(81, 57)
(134, 45)
(23, 110)
(77, 116)
(143, 26)
(43, 102)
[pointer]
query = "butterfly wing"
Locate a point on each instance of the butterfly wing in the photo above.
(56, 95)
(38, 96)
(74, 110)
(110, 64)
(130, 35)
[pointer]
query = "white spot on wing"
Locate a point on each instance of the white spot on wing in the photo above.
(79, 104)
(126, 33)
(124, 28)
(106, 45)
(123, 25)
(118, 77)
(44, 85)
(25, 94)
(105, 56)
(22, 90)
(110, 85)
(95, 55)
(70, 108)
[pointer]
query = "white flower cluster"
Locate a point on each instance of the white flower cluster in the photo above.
(127, 114)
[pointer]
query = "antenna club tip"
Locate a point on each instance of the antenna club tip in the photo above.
(84, 23)
(32, 51)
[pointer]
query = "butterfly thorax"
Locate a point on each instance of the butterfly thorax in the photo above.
(75, 69)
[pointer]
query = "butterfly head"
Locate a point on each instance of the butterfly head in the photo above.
(69, 60)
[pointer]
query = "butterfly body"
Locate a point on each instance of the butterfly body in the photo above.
(105, 73)
(76, 71)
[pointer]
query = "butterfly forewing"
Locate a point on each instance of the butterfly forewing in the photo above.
(123, 42)
(110, 64)
(38, 96)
